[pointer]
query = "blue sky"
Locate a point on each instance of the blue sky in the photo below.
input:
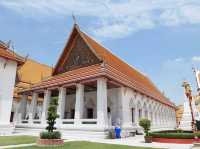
(160, 38)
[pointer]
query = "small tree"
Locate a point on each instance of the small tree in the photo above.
(52, 114)
(145, 124)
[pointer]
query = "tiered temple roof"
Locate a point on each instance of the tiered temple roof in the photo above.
(106, 65)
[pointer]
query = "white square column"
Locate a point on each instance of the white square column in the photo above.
(79, 103)
(33, 107)
(47, 97)
(102, 112)
(17, 116)
(20, 109)
(126, 121)
(61, 104)
(23, 104)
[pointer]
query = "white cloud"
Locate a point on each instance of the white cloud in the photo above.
(172, 74)
(196, 59)
(114, 19)
(177, 60)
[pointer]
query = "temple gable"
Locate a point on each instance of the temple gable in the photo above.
(80, 55)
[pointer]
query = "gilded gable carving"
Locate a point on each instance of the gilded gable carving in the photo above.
(79, 56)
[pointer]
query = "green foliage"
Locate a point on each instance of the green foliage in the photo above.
(50, 135)
(174, 131)
(52, 114)
(174, 135)
(145, 124)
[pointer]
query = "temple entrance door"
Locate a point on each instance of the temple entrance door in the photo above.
(89, 113)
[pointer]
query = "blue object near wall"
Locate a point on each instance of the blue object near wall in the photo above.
(117, 132)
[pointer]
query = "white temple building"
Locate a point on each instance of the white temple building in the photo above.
(96, 91)
(8, 66)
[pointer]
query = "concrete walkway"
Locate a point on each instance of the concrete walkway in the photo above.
(136, 141)
(131, 141)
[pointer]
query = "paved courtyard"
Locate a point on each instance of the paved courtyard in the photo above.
(138, 141)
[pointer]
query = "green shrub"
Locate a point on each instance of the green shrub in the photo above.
(146, 124)
(52, 114)
(173, 131)
(174, 135)
(51, 120)
(50, 135)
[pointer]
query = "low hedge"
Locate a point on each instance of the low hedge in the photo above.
(174, 131)
(50, 135)
(174, 135)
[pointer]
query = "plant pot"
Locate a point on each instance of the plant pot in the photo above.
(50, 142)
(148, 139)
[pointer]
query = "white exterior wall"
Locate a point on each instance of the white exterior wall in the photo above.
(7, 81)
(154, 111)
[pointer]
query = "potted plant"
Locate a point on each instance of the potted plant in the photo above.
(51, 137)
(146, 124)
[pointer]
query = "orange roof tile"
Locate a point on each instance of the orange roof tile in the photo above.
(69, 77)
(29, 73)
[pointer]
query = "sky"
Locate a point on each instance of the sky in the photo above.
(161, 38)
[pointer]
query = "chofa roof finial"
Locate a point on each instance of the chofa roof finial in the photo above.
(74, 18)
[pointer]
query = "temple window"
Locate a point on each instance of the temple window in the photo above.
(133, 115)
